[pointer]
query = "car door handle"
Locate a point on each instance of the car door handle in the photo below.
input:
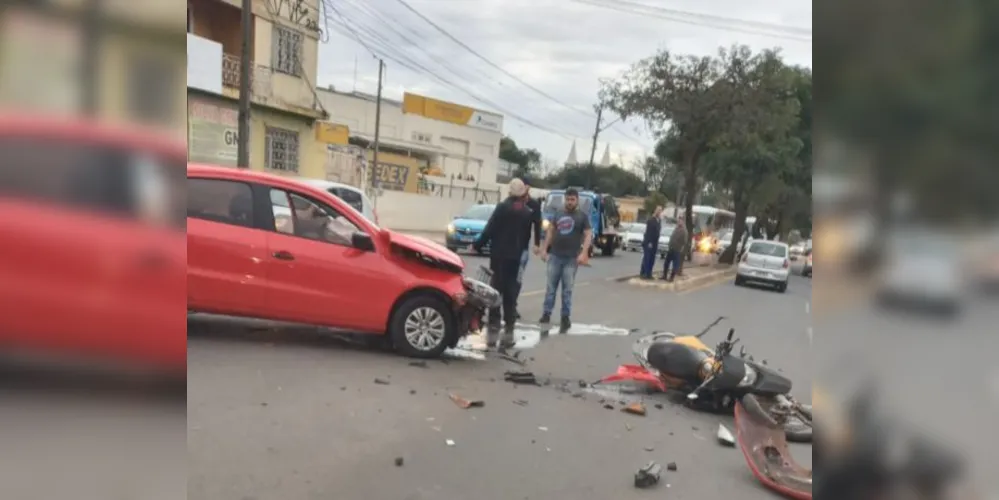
(283, 255)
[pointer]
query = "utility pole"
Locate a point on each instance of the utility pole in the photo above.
(593, 151)
(378, 126)
(93, 30)
(245, 87)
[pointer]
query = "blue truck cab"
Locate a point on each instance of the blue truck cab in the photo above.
(602, 210)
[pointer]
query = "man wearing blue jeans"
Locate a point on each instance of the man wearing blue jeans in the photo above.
(566, 247)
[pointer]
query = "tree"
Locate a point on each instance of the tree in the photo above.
(757, 145)
(612, 180)
(653, 200)
(528, 161)
(677, 97)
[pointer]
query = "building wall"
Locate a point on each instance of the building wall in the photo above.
(482, 146)
(419, 213)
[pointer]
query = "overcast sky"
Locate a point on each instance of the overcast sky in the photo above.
(560, 47)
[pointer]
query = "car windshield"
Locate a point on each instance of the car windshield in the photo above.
(556, 201)
(479, 212)
(637, 228)
(768, 249)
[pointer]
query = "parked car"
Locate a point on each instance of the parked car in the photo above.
(322, 264)
(94, 246)
(633, 237)
(350, 194)
(765, 262)
(466, 228)
(923, 270)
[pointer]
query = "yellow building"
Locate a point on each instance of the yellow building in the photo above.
(135, 49)
(284, 109)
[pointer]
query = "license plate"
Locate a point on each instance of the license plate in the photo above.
(468, 239)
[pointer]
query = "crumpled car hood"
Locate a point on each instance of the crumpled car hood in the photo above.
(428, 249)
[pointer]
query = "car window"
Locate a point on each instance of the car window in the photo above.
(768, 249)
(223, 201)
(353, 198)
(301, 216)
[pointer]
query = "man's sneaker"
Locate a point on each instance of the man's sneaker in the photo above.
(564, 325)
(545, 319)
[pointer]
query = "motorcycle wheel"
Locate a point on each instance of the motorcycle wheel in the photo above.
(798, 425)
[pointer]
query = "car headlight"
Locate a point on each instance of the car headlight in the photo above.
(450, 228)
(749, 378)
(545, 224)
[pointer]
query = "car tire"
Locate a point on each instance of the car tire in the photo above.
(781, 288)
(410, 315)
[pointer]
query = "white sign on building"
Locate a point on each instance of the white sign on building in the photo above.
(204, 64)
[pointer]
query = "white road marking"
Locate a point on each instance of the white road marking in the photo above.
(808, 307)
(809, 332)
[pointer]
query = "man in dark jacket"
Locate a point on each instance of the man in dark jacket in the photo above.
(674, 256)
(507, 233)
(533, 231)
(650, 243)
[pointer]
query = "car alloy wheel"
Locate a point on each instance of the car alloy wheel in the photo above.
(425, 328)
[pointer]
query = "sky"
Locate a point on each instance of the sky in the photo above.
(542, 60)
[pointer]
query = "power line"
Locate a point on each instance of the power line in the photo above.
(697, 19)
(384, 48)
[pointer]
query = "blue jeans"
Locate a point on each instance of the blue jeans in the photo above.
(648, 260)
(561, 270)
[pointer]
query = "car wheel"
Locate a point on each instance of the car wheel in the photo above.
(422, 327)
(782, 287)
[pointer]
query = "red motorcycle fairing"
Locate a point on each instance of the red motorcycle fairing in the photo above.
(765, 447)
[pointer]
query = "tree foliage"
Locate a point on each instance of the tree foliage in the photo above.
(612, 180)
(528, 161)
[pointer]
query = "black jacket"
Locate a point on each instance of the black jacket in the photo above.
(534, 228)
(653, 229)
(508, 231)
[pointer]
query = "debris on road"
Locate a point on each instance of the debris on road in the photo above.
(523, 377)
(608, 406)
(635, 409)
(398, 461)
(725, 436)
(520, 402)
(543, 429)
(418, 364)
(466, 403)
(412, 391)
(671, 466)
(381, 381)
(449, 442)
(659, 406)
(649, 449)
(648, 476)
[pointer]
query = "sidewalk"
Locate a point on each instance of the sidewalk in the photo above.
(693, 277)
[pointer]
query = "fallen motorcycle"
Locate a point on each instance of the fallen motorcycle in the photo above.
(714, 380)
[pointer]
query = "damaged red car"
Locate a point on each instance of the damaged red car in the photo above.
(267, 247)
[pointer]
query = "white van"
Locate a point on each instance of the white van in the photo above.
(350, 194)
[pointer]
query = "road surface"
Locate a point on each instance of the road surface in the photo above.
(274, 416)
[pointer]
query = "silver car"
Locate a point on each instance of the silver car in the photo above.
(633, 237)
(765, 262)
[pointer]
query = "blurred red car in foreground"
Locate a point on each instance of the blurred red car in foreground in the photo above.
(93, 256)
(267, 247)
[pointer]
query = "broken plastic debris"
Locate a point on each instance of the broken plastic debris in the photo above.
(648, 476)
(725, 436)
(449, 442)
(398, 461)
(381, 381)
(543, 429)
(520, 377)
(671, 466)
(635, 409)
(466, 403)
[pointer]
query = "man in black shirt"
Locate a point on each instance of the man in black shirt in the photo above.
(533, 231)
(507, 233)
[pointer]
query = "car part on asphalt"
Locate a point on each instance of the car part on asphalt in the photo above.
(648, 476)
(466, 403)
(725, 436)
(635, 409)
(713, 379)
(522, 377)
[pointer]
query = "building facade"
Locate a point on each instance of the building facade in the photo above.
(115, 61)
(420, 138)
(285, 110)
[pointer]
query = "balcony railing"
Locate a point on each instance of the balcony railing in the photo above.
(230, 71)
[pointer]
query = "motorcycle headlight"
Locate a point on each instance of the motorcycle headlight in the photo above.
(749, 378)
(450, 228)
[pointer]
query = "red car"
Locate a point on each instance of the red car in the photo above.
(93, 257)
(268, 247)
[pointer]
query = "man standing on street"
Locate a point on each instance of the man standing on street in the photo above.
(507, 230)
(650, 243)
(569, 236)
(533, 230)
(674, 255)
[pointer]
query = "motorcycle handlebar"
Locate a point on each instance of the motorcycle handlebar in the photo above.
(731, 333)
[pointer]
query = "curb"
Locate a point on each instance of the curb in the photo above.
(680, 286)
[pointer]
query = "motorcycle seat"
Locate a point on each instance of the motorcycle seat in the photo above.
(675, 359)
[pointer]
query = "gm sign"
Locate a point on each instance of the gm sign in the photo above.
(231, 137)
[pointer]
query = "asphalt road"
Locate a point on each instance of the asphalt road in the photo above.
(272, 415)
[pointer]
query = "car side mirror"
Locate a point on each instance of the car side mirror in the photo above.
(362, 241)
